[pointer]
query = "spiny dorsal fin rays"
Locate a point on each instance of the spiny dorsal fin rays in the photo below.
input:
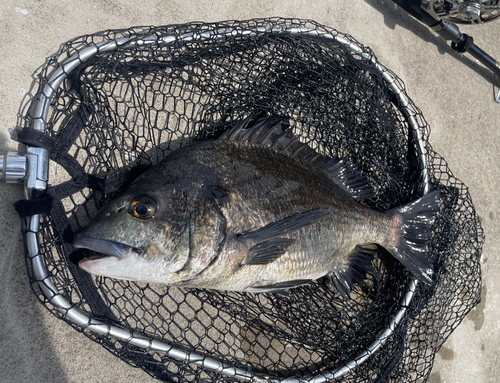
(348, 177)
(269, 132)
(245, 132)
(234, 133)
(282, 140)
(253, 134)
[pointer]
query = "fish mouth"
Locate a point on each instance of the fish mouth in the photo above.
(108, 252)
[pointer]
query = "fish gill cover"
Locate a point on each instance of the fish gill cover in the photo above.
(124, 109)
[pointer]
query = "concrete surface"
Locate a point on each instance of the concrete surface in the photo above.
(451, 90)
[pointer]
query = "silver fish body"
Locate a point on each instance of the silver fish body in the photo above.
(253, 211)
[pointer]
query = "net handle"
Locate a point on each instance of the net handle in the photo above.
(37, 179)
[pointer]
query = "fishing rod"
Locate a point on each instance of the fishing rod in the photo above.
(442, 17)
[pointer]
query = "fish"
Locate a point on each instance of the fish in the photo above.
(255, 210)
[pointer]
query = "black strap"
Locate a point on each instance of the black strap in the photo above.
(74, 125)
(32, 137)
(40, 205)
(58, 147)
(61, 143)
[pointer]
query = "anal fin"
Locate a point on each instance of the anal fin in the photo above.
(356, 271)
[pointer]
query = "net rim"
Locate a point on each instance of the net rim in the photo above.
(80, 319)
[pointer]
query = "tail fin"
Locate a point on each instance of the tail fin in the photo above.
(412, 249)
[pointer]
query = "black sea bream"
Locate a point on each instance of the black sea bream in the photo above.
(255, 210)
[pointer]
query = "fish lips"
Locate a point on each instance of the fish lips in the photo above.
(110, 252)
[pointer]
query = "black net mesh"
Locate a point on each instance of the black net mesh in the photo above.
(124, 109)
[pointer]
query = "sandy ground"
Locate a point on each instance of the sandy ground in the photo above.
(451, 90)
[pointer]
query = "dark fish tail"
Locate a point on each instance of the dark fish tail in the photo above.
(410, 246)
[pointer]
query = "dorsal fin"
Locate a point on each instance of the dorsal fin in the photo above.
(269, 131)
(348, 177)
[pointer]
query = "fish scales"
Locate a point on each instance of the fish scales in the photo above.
(247, 213)
(264, 194)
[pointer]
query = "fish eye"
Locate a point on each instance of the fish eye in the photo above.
(143, 207)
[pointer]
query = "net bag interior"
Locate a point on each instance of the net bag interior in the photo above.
(112, 104)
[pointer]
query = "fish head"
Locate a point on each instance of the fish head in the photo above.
(138, 235)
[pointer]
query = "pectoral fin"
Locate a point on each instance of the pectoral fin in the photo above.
(268, 251)
(267, 243)
(285, 226)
